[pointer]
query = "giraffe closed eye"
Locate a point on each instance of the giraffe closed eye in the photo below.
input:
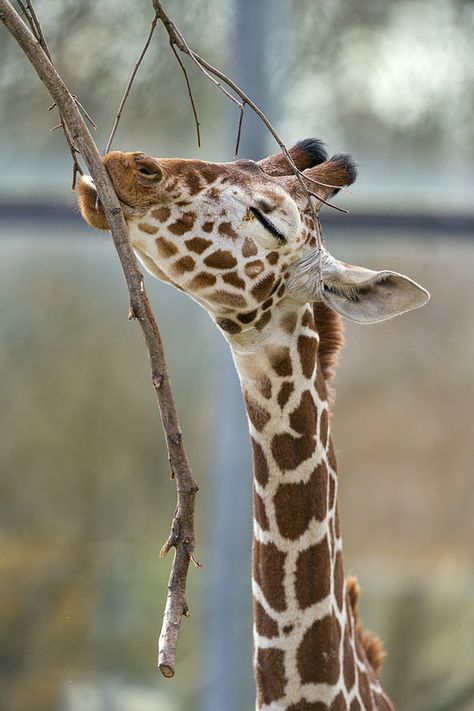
(269, 226)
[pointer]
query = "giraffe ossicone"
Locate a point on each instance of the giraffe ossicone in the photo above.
(240, 239)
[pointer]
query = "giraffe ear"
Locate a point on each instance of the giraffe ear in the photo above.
(340, 170)
(305, 154)
(357, 293)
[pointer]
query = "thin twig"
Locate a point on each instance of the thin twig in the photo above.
(29, 12)
(84, 111)
(190, 93)
(130, 82)
(329, 204)
(182, 533)
(239, 130)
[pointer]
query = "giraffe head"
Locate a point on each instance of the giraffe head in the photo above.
(240, 237)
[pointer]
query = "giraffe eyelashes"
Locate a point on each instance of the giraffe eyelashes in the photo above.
(269, 226)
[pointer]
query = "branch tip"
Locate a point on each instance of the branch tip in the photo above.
(166, 670)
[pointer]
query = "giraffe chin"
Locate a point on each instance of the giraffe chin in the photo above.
(91, 206)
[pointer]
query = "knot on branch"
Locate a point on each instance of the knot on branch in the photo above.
(157, 380)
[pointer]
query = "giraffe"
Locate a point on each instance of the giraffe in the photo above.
(240, 239)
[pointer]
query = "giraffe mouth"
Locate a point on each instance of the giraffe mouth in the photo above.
(87, 179)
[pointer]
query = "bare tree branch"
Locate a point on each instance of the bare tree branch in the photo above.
(182, 531)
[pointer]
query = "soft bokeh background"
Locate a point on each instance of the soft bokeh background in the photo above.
(86, 498)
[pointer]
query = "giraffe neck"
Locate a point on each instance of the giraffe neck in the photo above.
(305, 645)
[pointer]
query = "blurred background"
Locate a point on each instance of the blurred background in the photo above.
(86, 500)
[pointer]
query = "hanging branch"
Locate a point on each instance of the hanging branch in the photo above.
(182, 530)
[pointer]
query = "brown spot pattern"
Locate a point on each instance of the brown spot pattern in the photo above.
(260, 463)
(249, 248)
(225, 228)
(266, 626)
(165, 248)
(321, 386)
(183, 224)
(262, 290)
(364, 690)
(313, 574)
(185, 264)
(220, 259)
(297, 503)
(288, 322)
(161, 213)
(308, 320)
(202, 280)
(339, 580)
(339, 703)
(149, 229)
(210, 173)
(260, 513)
(304, 705)
(230, 299)
(263, 320)
(280, 360)
(332, 491)
(268, 571)
(289, 452)
(198, 244)
(258, 416)
(233, 279)
(284, 393)
(270, 675)
(228, 325)
(307, 349)
(272, 257)
(318, 654)
(332, 456)
(324, 428)
(247, 317)
(264, 385)
(303, 418)
(349, 665)
(207, 226)
(254, 268)
(355, 706)
(192, 181)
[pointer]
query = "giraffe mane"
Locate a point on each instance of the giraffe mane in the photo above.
(331, 338)
(371, 645)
